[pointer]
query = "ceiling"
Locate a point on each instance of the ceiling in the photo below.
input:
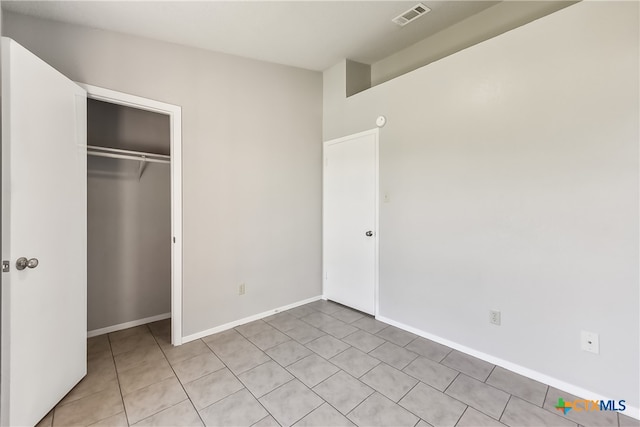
(308, 34)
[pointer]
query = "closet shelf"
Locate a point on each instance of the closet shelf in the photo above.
(142, 157)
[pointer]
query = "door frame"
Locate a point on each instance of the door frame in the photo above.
(376, 213)
(175, 125)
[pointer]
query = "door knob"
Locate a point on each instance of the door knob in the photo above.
(23, 263)
(369, 233)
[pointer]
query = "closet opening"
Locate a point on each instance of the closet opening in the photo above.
(134, 221)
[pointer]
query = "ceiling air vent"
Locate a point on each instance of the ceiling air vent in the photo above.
(412, 14)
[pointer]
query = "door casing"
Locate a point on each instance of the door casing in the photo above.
(175, 125)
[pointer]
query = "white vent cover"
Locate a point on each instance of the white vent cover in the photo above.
(412, 14)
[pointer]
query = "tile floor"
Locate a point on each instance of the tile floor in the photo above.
(321, 364)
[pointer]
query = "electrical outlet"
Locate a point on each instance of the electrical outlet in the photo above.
(242, 289)
(590, 341)
(494, 317)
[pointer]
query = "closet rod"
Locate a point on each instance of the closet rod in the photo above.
(115, 153)
(141, 158)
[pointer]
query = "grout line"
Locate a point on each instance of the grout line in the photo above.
(258, 398)
(545, 397)
(373, 349)
(178, 379)
(561, 415)
(405, 346)
(444, 357)
(313, 408)
(471, 406)
(167, 408)
(387, 327)
(337, 410)
(518, 396)
(337, 354)
(385, 342)
(265, 417)
(410, 362)
(208, 350)
(462, 415)
(488, 376)
(234, 393)
(403, 396)
(251, 369)
(378, 364)
(320, 397)
(447, 395)
(113, 359)
(328, 378)
(505, 407)
(364, 400)
(452, 381)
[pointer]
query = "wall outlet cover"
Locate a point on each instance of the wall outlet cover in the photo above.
(590, 341)
(494, 317)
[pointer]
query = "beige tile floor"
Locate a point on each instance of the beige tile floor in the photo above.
(321, 364)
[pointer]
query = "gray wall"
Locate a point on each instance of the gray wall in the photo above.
(128, 218)
(512, 171)
(488, 23)
(251, 160)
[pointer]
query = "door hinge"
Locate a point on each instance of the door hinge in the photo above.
(5, 266)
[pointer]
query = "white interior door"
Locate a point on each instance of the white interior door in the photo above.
(44, 191)
(350, 207)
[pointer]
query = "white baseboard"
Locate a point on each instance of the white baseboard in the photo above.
(631, 411)
(239, 322)
(127, 325)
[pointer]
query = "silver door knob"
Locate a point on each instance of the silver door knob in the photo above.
(23, 263)
(369, 233)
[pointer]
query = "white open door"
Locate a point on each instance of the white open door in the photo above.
(44, 180)
(350, 212)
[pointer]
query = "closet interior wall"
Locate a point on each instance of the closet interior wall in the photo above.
(128, 218)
